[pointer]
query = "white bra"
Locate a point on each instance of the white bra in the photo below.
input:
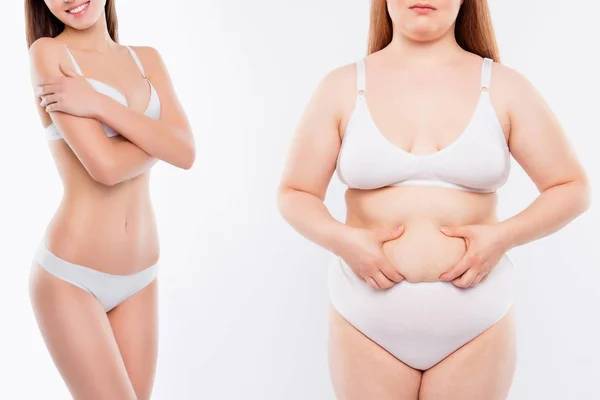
(152, 110)
(477, 161)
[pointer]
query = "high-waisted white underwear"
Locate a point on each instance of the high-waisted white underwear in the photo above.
(422, 323)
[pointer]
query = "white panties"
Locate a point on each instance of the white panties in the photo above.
(421, 323)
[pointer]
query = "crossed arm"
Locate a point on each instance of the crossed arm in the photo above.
(143, 142)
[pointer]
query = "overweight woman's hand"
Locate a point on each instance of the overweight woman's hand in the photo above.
(362, 251)
(486, 245)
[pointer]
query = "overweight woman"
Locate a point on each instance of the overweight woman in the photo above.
(110, 113)
(422, 131)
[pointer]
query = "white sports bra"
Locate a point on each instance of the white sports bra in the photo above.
(477, 161)
(152, 110)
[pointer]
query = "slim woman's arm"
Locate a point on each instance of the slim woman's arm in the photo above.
(107, 161)
(540, 146)
(170, 138)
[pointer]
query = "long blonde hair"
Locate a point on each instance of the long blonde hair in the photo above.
(473, 30)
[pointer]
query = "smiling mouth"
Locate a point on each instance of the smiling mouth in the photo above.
(79, 8)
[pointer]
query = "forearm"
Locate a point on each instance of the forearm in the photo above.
(157, 138)
(309, 216)
(553, 209)
(128, 161)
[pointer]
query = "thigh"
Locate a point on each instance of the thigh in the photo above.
(78, 336)
(360, 369)
(135, 326)
(480, 370)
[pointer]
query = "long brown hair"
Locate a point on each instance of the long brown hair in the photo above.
(40, 22)
(473, 29)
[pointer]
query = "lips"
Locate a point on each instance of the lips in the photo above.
(422, 5)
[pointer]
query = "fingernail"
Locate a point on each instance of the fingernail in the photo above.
(444, 229)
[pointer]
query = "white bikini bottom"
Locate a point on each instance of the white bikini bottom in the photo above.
(110, 290)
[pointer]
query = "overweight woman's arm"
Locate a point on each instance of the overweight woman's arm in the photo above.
(539, 145)
(310, 165)
(107, 161)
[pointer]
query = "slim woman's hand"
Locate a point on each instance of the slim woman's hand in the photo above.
(363, 253)
(71, 94)
(486, 245)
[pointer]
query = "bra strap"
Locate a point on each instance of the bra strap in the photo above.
(360, 76)
(137, 61)
(486, 73)
(77, 69)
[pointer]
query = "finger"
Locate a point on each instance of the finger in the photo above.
(390, 272)
(43, 90)
(52, 107)
(463, 265)
(67, 71)
(382, 281)
(459, 231)
(49, 99)
(478, 279)
(390, 234)
(484, 278)
(465, 280)
(372, 282)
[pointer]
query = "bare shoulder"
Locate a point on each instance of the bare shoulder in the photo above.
(150, 58)
(342, 79)
(45, 54)
(336, 90)
(46, 49)
(512, 83)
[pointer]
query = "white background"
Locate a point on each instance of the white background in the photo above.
(243, 297)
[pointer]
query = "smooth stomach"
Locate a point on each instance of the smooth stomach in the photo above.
(110, 229)
(423, 252)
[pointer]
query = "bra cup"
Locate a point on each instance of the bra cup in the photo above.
(478, 160)
(153, 109)
(367, 163)
(479, 163)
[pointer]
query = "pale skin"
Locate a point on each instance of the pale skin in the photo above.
(105, 220)
(421, 91)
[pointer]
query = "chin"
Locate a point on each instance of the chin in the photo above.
(91, 16)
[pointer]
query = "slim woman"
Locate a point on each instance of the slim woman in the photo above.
(421, 131)
(110, 114)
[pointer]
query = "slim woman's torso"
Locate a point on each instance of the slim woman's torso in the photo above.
(422, 111)
(108, 228)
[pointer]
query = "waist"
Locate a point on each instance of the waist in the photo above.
(423, 252)
(113, 237)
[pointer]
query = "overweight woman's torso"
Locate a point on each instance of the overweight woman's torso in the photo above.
(424, 113)
(423, 252)
(111, 229)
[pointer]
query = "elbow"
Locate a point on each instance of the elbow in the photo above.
(188, 161)
(584, 197)
(106, 178)
(187, 157)
(283, 195)
(104, 173)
